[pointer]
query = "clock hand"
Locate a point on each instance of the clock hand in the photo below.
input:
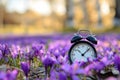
(79, 51)
(85, 51)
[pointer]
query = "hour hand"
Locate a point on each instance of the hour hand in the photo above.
(78, 51)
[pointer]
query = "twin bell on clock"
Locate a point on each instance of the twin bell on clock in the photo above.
(82, 48)
(78, 37)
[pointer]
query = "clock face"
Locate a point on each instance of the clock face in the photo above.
(82, 51)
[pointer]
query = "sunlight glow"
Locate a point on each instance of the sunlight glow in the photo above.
(105, 9)
(19, 6)
(3, 2)
(40, 6)
(59, 7)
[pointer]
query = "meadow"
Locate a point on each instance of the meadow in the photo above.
(21, 57)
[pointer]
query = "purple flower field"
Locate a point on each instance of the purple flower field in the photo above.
(21, 55)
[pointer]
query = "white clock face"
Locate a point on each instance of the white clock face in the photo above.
(82, 52)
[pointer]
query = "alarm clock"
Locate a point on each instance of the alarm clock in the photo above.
(82, 48)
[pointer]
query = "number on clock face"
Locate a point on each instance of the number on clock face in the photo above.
(82, 52)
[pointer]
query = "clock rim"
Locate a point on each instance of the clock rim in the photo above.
(78, 43)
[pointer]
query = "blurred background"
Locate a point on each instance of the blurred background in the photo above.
(34, 17)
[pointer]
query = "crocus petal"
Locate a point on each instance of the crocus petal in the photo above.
(2, 75)
(75, 78)
(25, 67)
(62, 76)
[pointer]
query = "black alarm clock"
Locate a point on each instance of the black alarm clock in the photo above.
(82, 48)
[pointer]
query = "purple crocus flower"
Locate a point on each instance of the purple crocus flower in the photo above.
(75, 77)
(117, 61)
(15, 51)
(1, 55)
(5, 50)
(56, 52)
(73, 70)
(62, 60)
(48, 60)
(98, 66)
(66, 67)
(25, 66)
(14, 74)
(2, 75)
(11, 75)
(64, 50)
(36, 48)
(30, 55)
(54, 74)
(62, 76)
(106, 60)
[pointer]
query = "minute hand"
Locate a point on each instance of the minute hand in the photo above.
(86, 51)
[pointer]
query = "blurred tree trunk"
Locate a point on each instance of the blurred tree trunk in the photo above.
(99, 24)
(117, 9)
(69, 13)
(1, 14)
(53, 15)
(3, 11)
(85, 12)
(117, 13)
